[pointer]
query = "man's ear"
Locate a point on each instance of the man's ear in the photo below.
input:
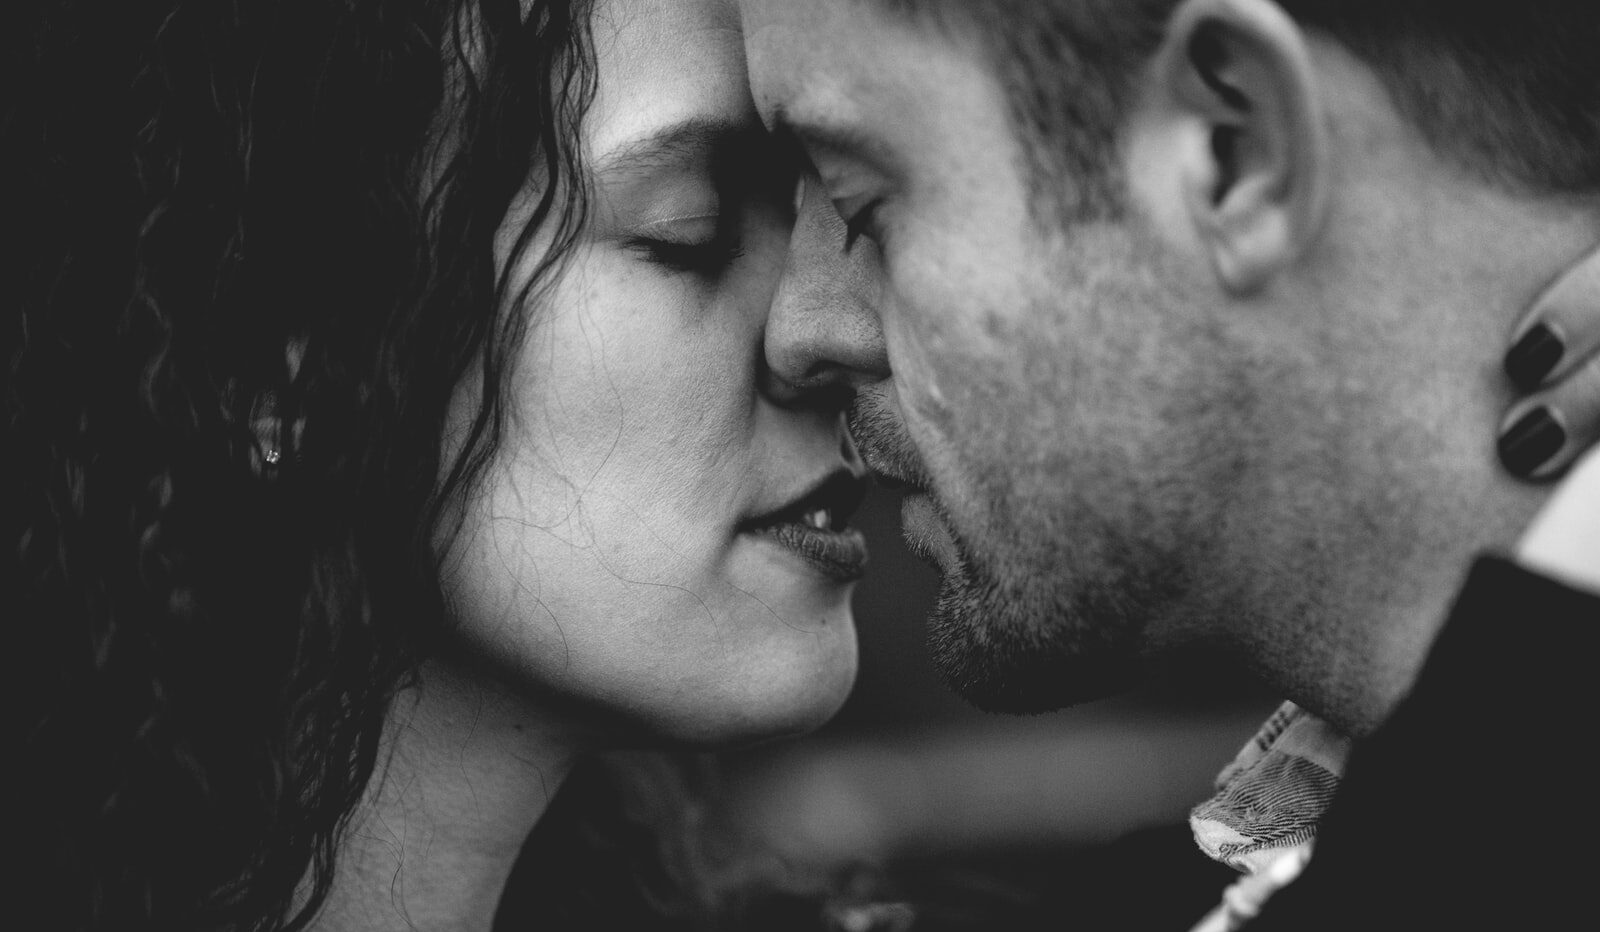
(1237, 76)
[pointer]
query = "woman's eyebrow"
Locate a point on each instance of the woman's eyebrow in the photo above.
(675, 145)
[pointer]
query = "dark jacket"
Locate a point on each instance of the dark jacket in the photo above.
(1474, 806)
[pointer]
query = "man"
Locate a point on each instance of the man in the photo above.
(1181, 320)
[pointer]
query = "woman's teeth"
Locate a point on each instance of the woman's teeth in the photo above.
(821, 519)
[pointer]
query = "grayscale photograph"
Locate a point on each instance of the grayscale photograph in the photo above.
(801, 465)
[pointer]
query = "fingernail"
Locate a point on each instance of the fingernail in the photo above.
(1531, 442)
(1534, 356)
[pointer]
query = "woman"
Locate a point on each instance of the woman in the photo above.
(657, 553)
(354, 509)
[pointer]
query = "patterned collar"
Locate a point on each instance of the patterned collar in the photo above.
(1263, 819)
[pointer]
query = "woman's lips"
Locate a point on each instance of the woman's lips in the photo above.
(815, 526)
(838, 554)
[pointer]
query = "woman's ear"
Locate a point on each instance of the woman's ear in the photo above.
(1237, 76)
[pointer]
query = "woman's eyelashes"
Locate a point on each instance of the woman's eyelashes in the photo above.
(705, 245)
(710, 244)
(743, 187)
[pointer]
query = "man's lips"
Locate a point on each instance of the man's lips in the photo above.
(925, 530)
(896, 483)
(884, 445)
(897, 473)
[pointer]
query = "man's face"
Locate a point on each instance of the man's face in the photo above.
(1070, 422)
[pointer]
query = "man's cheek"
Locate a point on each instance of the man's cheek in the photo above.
(918, 357)
(932, 388)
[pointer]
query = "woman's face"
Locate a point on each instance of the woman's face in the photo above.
(646, 546)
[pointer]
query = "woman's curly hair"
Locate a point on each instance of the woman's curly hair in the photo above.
(214, 202)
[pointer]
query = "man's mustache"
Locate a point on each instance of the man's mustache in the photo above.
(884, 444)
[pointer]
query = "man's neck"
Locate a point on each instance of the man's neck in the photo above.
(1422, 418)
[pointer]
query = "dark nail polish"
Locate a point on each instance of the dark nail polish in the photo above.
(1531, 442)
(1534, 356)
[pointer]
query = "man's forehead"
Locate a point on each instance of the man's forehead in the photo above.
(789, 44)
(841, 74)
(817, 58)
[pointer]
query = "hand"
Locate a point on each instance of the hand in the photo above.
(1555, 356)
(1563, 542)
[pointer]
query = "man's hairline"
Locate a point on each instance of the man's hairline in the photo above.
(952, 22)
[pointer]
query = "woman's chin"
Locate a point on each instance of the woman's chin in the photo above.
(758, 724)
(780, 690)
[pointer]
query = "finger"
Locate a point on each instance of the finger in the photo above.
(1564, 539)
(1543, 433)
(1560, 330)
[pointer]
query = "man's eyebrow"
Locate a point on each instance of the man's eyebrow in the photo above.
(674, 145)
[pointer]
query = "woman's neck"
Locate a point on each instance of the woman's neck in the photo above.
(466, 771)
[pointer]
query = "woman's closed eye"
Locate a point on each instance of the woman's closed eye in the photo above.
(702, 245)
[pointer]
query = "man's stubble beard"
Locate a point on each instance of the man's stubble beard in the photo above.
(1044, 603)
(1066, 560)
(1030, 633)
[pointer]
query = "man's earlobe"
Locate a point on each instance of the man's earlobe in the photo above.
(1239, 73)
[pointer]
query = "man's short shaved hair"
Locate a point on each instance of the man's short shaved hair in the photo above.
(1509, 91)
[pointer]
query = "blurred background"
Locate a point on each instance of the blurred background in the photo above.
(910, 775)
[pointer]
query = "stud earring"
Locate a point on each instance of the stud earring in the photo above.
(266, 423)
(275, 419)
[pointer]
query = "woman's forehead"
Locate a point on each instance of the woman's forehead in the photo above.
(663, 64)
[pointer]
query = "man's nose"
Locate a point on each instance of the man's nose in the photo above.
(823, 337)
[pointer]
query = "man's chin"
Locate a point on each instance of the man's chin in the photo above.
(1024, 652)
